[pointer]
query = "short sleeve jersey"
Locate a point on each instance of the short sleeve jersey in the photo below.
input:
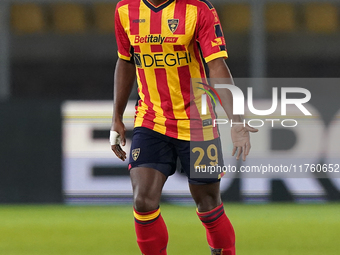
(170, 44)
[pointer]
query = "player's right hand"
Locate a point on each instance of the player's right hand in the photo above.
(118, 140)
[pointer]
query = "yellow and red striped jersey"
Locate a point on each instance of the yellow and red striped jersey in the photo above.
(170, 45)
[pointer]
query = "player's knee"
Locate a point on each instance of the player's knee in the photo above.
(202, 207)
(205, 205)
(145, 203)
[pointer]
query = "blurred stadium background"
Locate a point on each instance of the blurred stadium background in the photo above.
(56, 73)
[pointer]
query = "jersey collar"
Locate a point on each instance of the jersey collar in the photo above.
(158, 7)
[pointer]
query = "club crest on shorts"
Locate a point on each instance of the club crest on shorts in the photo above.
(173, 24)
(135, 153)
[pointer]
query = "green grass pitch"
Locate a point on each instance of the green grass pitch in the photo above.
(267, 229)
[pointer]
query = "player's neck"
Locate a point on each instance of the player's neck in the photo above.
(157, 2)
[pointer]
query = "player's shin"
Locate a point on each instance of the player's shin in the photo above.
(151, 231)
(220, 232)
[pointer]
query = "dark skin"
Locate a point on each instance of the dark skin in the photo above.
(125, 76)
(239, 134)
(147, 183)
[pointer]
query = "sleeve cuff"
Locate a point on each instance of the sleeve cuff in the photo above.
(220, 54)
(124, 57)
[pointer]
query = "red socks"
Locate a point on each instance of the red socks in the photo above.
(152, 235)
(220, 232)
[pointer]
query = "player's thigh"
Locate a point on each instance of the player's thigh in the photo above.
(152, 150)
(151, 161)
(147, 185)
(201, 161)
(204, 187)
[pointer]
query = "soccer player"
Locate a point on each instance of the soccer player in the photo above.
(165, 43)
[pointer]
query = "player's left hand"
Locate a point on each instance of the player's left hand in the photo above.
(241, 140)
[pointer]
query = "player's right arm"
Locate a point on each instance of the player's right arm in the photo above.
(125, 76)
(124, 79)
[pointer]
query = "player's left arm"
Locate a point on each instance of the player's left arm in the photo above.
(212, 43)
(239, 133)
